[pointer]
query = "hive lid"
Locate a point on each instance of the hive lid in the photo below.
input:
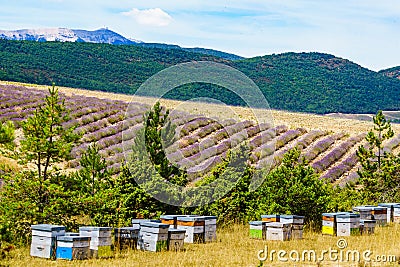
(73, 238)
(292, 217)
(71, 234)
(389, 205)
(131, 228)
(47, 227)
(257, 223)
(176, 231)
(169, 217)
(270, 216)
(154, 225)
(94, 228)
(333, 214)
(348, 215)
(191, 219)
(278, 225)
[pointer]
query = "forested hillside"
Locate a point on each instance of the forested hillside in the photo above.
(305, 82)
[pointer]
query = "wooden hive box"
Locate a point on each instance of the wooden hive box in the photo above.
(194, 227)
(348, 224)
(292, 219)
(73, 247)
(210, 228)
(100, 240)
(364, 211)
(380, 214)
(176, 239)
(258, 229)
(44, 240)
(329, 223)
(367, 227)
(153, 236)
(126, 237)
(278, 231)
(170, 220)
(393, 211)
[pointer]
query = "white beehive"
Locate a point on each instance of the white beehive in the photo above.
(44, 238)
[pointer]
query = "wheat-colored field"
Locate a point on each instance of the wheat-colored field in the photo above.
(291, 119)
(235, 248)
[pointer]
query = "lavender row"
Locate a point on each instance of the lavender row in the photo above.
(300, 143)
(336, 153)
(266, 136)
(279, 141)
(208, 143)
(321, 146)
(194, 124)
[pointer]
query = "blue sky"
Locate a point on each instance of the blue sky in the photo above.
(364, 31)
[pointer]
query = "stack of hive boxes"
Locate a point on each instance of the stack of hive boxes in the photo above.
(194, 227)
(297, 224)
(278, 231)
(393, 211)
(100, 240)
(153, 236)
(329, 223)
(348, 224)
(44, 240)
(210, 229)
(73, 247)
(258, 229)
(126, 237)
(367, 227)
(176, 239)
(380, 214)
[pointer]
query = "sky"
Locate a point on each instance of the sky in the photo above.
(366, 32)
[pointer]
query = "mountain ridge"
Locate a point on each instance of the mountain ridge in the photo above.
(102, 35)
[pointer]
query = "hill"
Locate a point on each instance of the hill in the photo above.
(300, 82)
(392, 72)
(202, 141)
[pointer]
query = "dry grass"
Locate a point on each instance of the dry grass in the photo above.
(234, 248)
(291, 119)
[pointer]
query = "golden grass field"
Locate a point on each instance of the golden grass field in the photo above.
(291, 119)
(235, 248)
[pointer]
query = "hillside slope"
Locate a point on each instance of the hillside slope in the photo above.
(305, 82)
(201, 142)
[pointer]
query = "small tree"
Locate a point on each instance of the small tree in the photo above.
(46, 141)
(159, 133)
(93, 174)
(294, 188)
(379, 177)
(7, 134)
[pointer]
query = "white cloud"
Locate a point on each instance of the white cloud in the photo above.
(150, 17)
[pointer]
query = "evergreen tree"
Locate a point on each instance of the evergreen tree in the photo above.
(379, 177)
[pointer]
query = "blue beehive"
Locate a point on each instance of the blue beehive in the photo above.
(73, 247)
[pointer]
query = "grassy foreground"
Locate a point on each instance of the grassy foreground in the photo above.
(235, 248)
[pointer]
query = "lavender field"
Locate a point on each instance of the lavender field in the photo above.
(201, 142)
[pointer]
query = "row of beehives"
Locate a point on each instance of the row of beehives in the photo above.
(277, 227)
(362, 220)
(169, 233)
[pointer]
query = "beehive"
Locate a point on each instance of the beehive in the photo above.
(171, 220)
(153, 236)
(393, 211)
(278, 231)
(210, 229)
(270, 218)
(348, 224)
(364, 211)
(258, 229)
(44, 240)
(292, 219)
(176, 239)
(126, 237)
(380, 215)
(73, 247)
(329, 223)
(100, 240)
(194, 227)
(367, 227)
